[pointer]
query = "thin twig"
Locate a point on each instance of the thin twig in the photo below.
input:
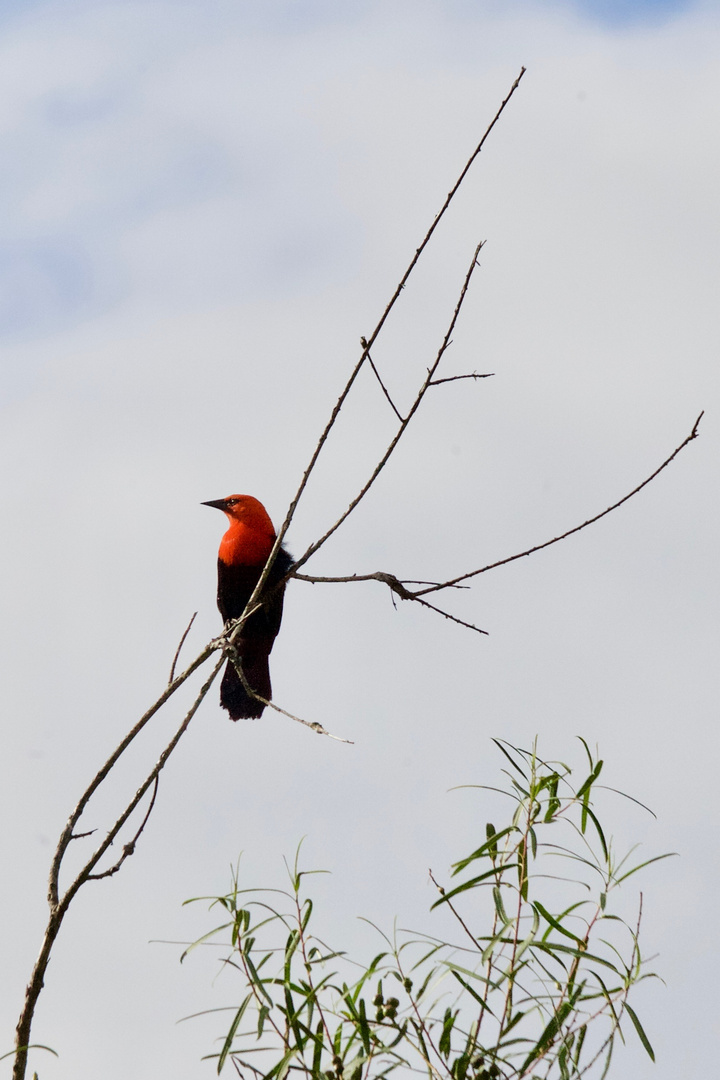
(129, 849)
(371, 362)
(397, 587)
(455, 378)
(177, 651)
(236, 661)
(67, 833)
(454, 910)
(404, 425)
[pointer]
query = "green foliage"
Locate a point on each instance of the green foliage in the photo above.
(536, 985)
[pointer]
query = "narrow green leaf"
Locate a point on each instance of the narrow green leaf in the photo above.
(470, 991)
(471, 883)
(598, 827)
(641, 1031)
(523, 870)
(642, 865)
(579, 1045)
(231, 1033)
(554, 923)
(588, 783)
(489, 847)
(502, 914)
(549, 1035)
(256, 980)
(514, 764)
(587, 751)
(445, 1044)
(318, 1048)
(363, 1026)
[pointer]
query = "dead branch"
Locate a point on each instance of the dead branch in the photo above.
(60, 905)
(129, 849)
(384, 389)
(369, 342)
(456, 378)
(577, 528)
(177, 651)
(399, 587)
(236, 661)
(404, 425)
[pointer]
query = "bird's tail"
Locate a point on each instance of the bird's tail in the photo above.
(233, 695)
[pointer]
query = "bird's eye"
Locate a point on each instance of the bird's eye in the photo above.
(232, 502)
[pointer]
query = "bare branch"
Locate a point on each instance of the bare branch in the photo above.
(129, 849)
(92, 862)
(177, 651)
(397, 587)
(236, 661)
(67, 833)
(447, 615)
(404, 425)
(59, 907)
(590, 521)
(364, 344)
(368, 345)
(456, 378)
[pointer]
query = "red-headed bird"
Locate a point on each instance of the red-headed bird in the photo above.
(244, 550)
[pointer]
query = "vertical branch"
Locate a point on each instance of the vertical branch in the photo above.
(369, 342)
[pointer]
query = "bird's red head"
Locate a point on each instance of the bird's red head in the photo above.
(251, 535)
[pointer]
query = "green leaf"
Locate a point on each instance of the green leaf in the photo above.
(231, 1033)
(642, 865)
(445, 1044)
(641, 1031)
(549, 1035)
(600, 833)
(256, 980)
(502, 914)
(588, 783)
(363, 1026)
(472, 882)
(318, 1048)
(514, 764)
(554, 923)
(470, 991)
(488, 848)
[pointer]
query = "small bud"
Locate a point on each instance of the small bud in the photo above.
(407, 983)
(378, 1000)
(379, 1016)
(393, 1003)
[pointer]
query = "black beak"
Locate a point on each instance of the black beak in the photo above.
(219, 504)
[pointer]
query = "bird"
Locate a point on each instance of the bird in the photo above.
(244, 550)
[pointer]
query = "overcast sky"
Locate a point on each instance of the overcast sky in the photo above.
(204, 206)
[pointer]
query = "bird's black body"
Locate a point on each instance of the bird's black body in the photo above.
(236, 583)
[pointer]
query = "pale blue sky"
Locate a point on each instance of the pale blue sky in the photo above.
(204, 207)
